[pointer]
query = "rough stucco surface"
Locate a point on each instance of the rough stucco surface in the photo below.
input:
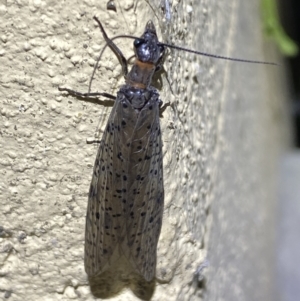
(222, 135)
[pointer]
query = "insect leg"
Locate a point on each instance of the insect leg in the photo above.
(114, 48)
(120, 57)
(86, 95)
(160, 68)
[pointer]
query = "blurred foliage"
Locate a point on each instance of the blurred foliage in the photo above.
(274, 30)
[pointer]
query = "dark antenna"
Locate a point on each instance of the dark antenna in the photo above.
(189, 50)
(217, 56)
(109, 41)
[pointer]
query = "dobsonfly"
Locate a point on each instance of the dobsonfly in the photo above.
(126, 196)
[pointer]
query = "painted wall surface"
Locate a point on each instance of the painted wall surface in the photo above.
(222, 135)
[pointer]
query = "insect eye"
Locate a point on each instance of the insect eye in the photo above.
(161, 48)
(138, 42)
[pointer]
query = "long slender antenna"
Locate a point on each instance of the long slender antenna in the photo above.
(217, 56)
(109, 42)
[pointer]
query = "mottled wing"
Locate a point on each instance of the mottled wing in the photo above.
(146, 190)
(104, 219)
(126, 197)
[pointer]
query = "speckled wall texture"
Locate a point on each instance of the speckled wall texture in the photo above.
(222, 135)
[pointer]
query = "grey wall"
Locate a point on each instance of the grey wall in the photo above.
(222, 135)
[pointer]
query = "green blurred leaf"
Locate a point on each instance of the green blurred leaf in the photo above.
(274, 30)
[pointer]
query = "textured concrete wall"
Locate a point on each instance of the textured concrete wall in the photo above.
(222, 135)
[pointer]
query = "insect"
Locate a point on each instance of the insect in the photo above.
(126, 196)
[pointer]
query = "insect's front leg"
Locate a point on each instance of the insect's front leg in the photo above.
(114, 48)
(162, 106)
(121, 59)
(87, 95)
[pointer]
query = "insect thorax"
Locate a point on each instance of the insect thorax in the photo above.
(139, 98)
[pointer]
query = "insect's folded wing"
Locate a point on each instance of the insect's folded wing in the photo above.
(104, 213)
(146, 195)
